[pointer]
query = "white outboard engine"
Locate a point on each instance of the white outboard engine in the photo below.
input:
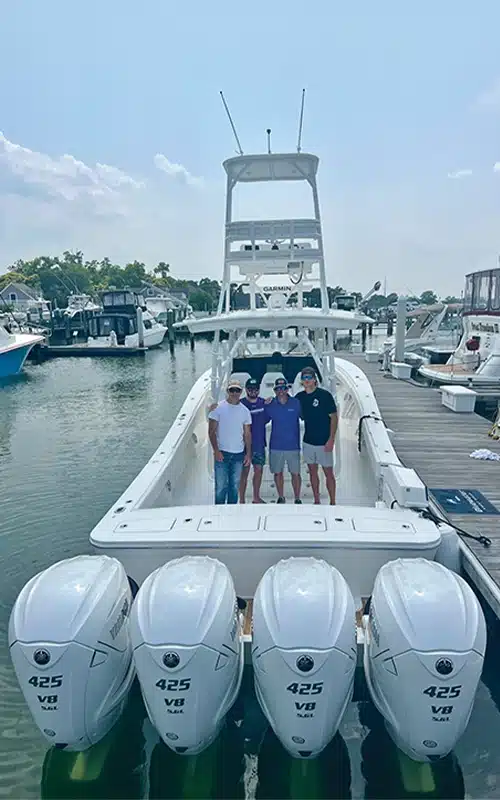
(304, 652)
(69, 643)
(423, 654)
(188, 650)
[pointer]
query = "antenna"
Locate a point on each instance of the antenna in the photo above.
(301, 119)
(240, 151)
(268, 131)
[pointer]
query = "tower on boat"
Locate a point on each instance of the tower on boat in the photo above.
(276, 263)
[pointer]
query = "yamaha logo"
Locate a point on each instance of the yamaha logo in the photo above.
(305, 663)
(298, 739)
(41, 657)
(429, 743)
(171, 660)
(444, 666)
(172, 736)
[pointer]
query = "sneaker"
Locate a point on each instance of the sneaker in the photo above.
(281, 500)
(298, 501)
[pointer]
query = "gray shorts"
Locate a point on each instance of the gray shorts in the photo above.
(316, 454)
(278, 459)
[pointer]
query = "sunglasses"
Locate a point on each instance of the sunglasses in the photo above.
(308, 377)
(234, 390)
(281, 388)
(253, 389)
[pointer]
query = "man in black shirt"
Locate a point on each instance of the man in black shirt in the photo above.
(319, 412)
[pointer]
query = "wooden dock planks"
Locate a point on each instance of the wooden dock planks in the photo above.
(437, 443)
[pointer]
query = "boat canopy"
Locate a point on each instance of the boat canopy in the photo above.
(265, 319)
(482, 292)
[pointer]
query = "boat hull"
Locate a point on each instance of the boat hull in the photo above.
(168, 511)
(12, 360)
(152, 338)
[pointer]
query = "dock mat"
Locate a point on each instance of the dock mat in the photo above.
(463, 501)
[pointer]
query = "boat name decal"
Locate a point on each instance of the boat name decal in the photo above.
(486, 327)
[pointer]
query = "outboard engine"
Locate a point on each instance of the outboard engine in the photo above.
(69, 643)
(423, 654)
(188, 650)
(304, 652)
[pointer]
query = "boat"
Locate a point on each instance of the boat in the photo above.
(79, 303)
(124, 321)
(14, 350)
(476, 359)
(433, 333)
(304, 595)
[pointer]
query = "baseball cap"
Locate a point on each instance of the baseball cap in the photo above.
(308, 371)
(280, 383)
(233, 383)
(252, 383)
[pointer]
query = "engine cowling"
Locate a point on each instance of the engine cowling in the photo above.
(69, 644)
(188, 650)
(304, 652)
(423, 654)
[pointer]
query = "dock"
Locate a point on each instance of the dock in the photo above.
(437, 442)
(87, 351)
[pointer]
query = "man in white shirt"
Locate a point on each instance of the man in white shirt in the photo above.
(229, 431)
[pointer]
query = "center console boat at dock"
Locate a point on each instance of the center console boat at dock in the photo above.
(303, 593)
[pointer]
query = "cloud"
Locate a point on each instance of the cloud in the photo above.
(50, 203)
(496, 166)
(489, 99)
(64, 177)
(460, 173)
(176, 171)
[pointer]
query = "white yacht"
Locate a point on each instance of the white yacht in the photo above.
(77, 303)
(433, 329)
(476, 359)
(123, 312)
(303, 593)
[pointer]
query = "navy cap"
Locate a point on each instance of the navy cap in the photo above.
(308, 371)
(252, 383)
(280, 383)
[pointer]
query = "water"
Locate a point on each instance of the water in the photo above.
(73, 434)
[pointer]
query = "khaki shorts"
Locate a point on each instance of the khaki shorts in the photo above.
(278, 459)
(316, 454)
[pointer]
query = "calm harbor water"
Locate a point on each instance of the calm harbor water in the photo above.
(73, 434)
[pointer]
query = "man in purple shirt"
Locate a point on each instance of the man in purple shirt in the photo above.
(284, 447)
(256, 406)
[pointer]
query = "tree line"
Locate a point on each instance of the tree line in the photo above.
(56, 277)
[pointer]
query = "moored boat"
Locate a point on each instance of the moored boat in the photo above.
(302, 593)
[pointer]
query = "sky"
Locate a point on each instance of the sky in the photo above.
(113, 131)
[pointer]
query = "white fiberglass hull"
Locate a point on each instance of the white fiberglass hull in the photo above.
(153, 337)
(457, 375)
(465, 366)
(168, 510)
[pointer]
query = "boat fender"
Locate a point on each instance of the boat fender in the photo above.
(448, 552)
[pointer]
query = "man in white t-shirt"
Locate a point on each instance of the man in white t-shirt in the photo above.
(229, 431)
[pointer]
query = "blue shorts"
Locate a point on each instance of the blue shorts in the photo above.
(259, 459)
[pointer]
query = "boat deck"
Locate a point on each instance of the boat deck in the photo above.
(437, 443)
